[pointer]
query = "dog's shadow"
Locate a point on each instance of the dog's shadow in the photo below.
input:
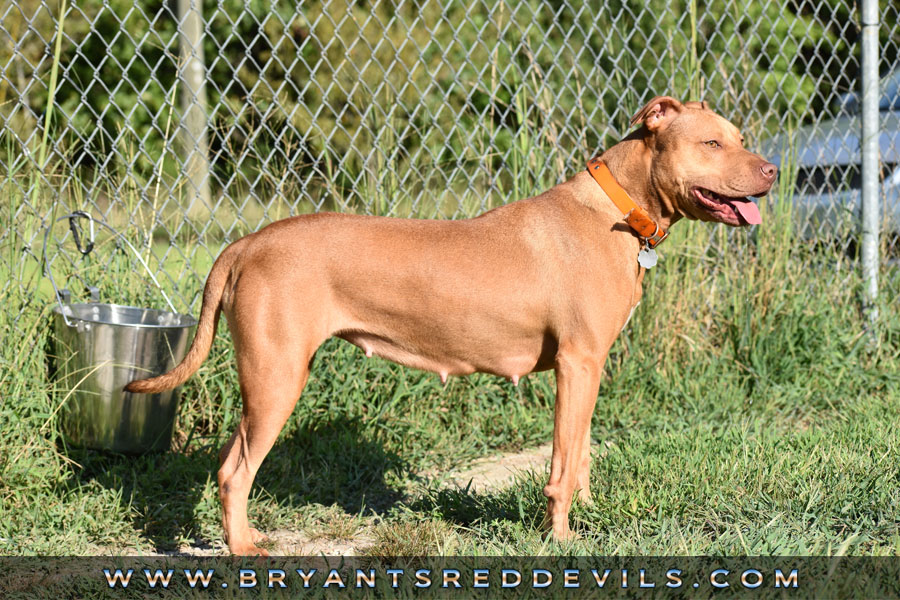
(333, 462)
(519, 502)
(159, 492)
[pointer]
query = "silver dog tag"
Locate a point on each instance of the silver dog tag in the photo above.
(647, 258)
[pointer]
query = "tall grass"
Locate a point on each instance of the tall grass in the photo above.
(742, 413)
(51, 97)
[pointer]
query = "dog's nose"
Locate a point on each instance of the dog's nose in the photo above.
(769, 170)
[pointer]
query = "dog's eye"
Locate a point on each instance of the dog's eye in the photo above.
(713, 144)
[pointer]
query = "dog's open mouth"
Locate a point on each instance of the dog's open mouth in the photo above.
(736, 211)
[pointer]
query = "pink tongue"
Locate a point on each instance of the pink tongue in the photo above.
(748, 211)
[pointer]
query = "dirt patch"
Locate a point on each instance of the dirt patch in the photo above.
(485, 474)
(298, 543)
(282, 542)
(496, 472)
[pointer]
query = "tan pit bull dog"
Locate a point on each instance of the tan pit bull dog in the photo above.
(542, 283)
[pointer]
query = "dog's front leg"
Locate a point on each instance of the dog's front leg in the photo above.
(577, 384)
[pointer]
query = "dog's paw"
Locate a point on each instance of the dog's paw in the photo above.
(258, 537)
(557, 529)
(250, 544)
(249, 550)
(585, 497)
(561, 537)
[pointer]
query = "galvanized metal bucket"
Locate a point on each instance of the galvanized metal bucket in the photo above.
(98, 349)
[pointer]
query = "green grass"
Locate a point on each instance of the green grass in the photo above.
(744, 412)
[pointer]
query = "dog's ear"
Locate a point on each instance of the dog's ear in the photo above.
(657, 113)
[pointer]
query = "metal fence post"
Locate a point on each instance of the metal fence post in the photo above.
(870, 166)
(193, 103)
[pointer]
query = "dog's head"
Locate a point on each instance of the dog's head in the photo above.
(699, 163)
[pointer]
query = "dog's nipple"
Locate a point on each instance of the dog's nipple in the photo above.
(515, 379)
(368, 352)
(443, 376)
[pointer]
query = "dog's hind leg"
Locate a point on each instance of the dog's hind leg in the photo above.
(271, 383)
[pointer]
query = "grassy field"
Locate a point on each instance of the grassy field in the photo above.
(743, 412)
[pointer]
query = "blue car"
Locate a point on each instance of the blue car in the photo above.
(827, 157)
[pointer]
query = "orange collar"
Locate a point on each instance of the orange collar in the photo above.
(648, 230)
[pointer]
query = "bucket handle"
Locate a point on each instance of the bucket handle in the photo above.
(85, 250)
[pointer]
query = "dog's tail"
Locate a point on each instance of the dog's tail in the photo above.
(206, 330)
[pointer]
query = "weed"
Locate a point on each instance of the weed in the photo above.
(742, 414)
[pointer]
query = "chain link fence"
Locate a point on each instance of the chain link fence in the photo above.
(187, 124)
